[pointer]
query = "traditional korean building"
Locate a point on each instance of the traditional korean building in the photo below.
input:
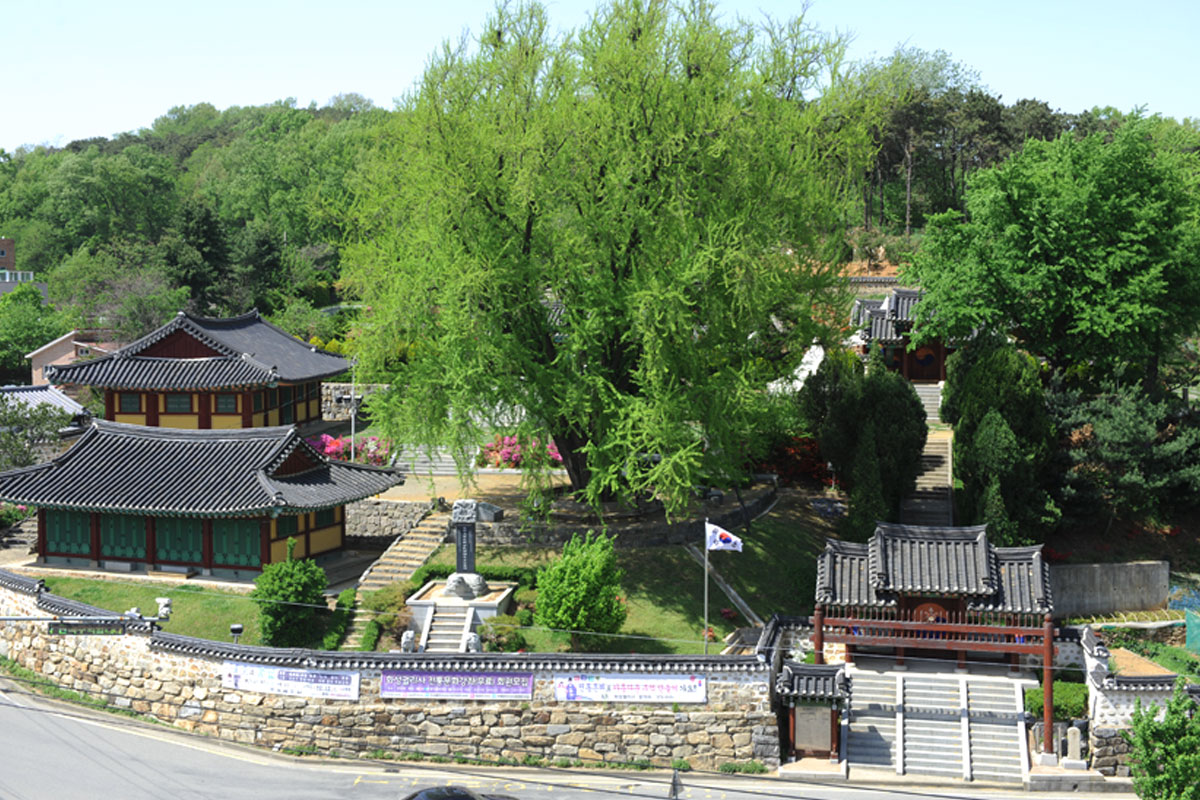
(201, 373)
(935, 593)
(221, 502)
(887, 324)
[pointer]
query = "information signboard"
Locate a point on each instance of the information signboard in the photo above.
(630, 688)
(328, 684)
(78, 627)
(456, 685)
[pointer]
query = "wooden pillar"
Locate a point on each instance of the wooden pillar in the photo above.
(941, 354)
(41, 534)
(94, 521)
(790, 737)
(110, 405)
(1014, 661)
(849, 653)
(207, 546)
(151, 409)
(1048, 684)
(899, 656)
(834, 729)
(247, 409)
(151, 543)
(264, 539)
(962, 659)
(205, 401)
(818, 630)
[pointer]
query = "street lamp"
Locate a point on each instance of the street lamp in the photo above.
(235, 630)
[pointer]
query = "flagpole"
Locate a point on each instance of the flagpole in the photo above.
(706, 586)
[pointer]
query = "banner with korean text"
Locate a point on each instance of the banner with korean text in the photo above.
(630, 688)
(321, 683)
(456, 685)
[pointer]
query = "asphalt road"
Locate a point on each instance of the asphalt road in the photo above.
(53, 751)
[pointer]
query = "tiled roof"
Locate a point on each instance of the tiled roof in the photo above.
(165, 471)
(912, 560)
(253, 353)
(43, 394)
(811, 681)
(878, 318)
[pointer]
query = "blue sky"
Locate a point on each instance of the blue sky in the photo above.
(80, 69)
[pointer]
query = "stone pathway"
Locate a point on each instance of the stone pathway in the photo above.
(932, 502)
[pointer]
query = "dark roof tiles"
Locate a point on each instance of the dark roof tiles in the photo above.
(811, 681)
(165, 471)
(253, 352)
(912, 560)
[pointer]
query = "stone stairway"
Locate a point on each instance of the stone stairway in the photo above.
(407, 553)
(419, 463)
(937, 723)
(446, 630)
(931, 503)
(931, 399)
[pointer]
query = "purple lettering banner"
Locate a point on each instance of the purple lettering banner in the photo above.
(456, 685)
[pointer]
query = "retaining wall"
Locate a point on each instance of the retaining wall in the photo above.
(382, 519)
(185, 682)
(335, 398)
(1089, 589)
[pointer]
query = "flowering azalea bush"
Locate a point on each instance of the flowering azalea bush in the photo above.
(797, 460)
(366, 450)
(510, 451)
(11, 514)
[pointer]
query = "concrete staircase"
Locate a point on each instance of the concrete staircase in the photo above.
(407, 553)
(931, 503)
(447, 630)
(937, 723)
(931, 399)
(419, 463)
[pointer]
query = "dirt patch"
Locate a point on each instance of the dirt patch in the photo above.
(1131, 665)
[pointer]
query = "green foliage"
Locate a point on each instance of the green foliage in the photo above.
(26, 323)
(22, 426)
(625, 241)
(743, 768)
(339, 621)
(580, 592)
(370, 637)
(501, 634)
(300, 319)
(1070, 701)
(1085, 250)
(871, 426)
(1165, 754)
(1126, 454)
(289, 593)
(1003, 440)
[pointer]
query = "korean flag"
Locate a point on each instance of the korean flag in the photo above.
(720, 539)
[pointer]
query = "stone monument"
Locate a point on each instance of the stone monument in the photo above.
(466, 582)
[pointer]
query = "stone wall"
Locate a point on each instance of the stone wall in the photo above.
(375, 518)
(645, 533)
(178, 680)
(1089, 589)
(1110, 751)
(335, 398)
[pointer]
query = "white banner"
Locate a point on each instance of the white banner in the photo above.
(328, 684)
(630, 688)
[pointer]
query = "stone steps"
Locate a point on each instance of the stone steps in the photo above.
(446, 631)
(405, 555)
(931, 399)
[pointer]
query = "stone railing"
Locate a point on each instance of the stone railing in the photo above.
(348, 704)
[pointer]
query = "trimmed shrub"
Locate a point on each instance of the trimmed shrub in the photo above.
(290, 594)
(1070, 701)
(501, 634)
(580, 592)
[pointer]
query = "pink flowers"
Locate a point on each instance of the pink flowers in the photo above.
(367, 450)
(509, 451)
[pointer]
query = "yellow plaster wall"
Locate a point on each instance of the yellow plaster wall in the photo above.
(189, 422)
(272, 418)
(325, 539)
(258, 420)
(226, 421)
(132, 419)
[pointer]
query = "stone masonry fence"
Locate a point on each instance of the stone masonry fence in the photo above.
(191, 684)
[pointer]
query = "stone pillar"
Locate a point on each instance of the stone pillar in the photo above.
(462, 523)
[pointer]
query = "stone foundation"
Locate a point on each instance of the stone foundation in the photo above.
(335, 398)
(1110, 751)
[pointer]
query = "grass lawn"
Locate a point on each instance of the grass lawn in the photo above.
(664, 591)
(664, 586)
(196, 610)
